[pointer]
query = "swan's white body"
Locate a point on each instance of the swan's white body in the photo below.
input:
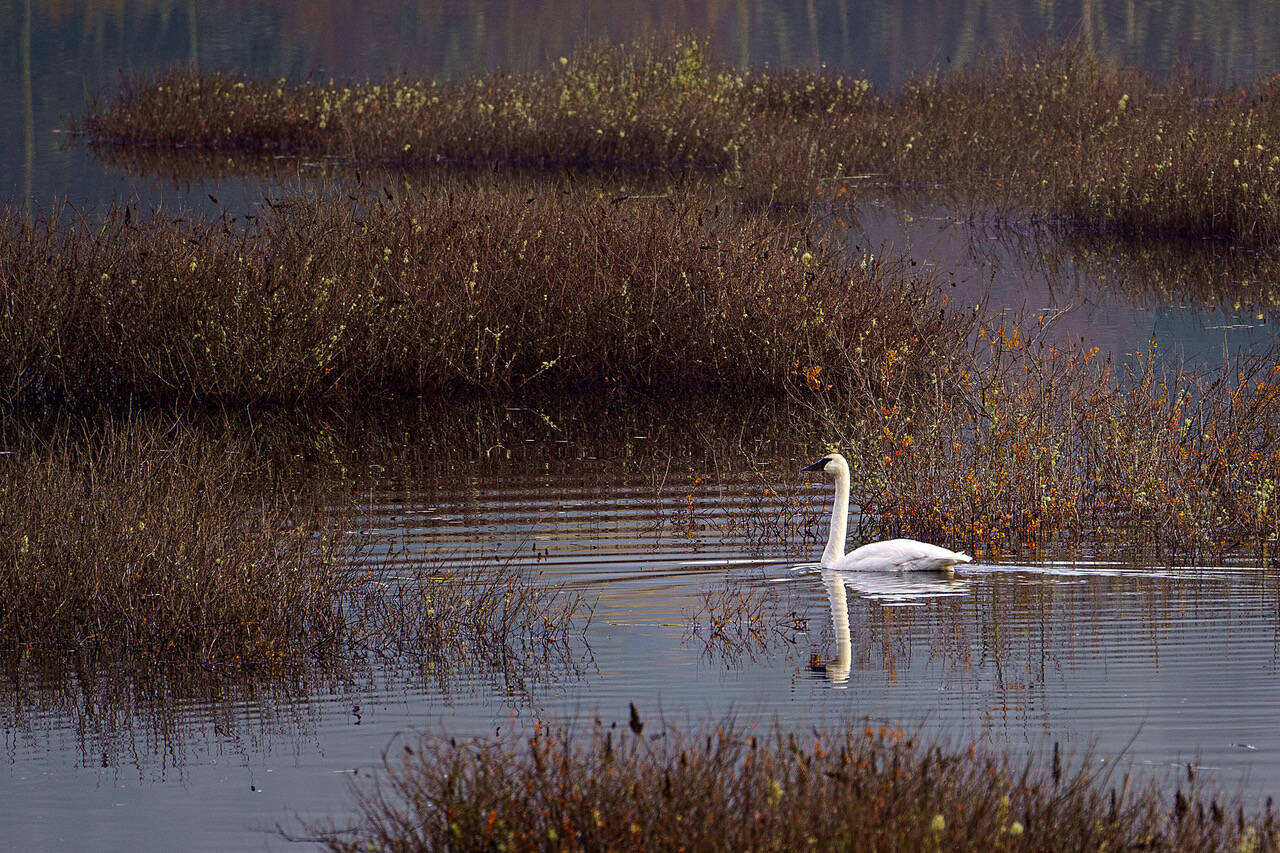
(904, 555)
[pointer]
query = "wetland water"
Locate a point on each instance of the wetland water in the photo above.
(1158, 666)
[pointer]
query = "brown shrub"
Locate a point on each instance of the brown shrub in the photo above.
(729, 790)
(1052, 132)
(423, 292)
(151, 544)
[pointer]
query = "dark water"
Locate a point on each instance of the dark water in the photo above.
(1155, 666)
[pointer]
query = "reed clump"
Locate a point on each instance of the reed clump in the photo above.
(149, 544)
(436, 291)
(727, 789)
(1104, 148)
(1042, 445)
(659, 105)
(1052, 132)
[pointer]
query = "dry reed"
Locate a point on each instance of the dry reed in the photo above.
(147, 543)
(727, 789)
(427, 292)
(1052, 132)
(157, 545)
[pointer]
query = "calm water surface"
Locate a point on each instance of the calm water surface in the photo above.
(1153, 666)
(1157, 666)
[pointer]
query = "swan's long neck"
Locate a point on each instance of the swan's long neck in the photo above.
(839, 519)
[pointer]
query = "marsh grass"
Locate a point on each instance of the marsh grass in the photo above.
(1110, 148)
(661, 106)
(495, 618)
(743, 618)
(1052, 132)
(145, 544)
(731, 789)
(447, 629)
(425, 292)
(1052, 447)
(138, 541)
(1142, 270)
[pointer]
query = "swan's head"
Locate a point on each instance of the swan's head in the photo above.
(832, 463)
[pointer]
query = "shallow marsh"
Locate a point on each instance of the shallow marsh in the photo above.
(1053, 132)
(452, 287)
(1122, 501)
(657, 521)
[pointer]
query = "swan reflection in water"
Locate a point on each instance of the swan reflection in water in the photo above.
(888, 588)
(837, 670)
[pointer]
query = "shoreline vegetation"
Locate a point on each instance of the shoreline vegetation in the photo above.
(974, 429)
(1052, 133)
(471, 288)
(728, 788)
(962, 426)
(150, 545)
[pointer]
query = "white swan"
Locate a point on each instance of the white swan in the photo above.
(904, 555)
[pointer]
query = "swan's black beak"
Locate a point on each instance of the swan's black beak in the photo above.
(817, 466)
